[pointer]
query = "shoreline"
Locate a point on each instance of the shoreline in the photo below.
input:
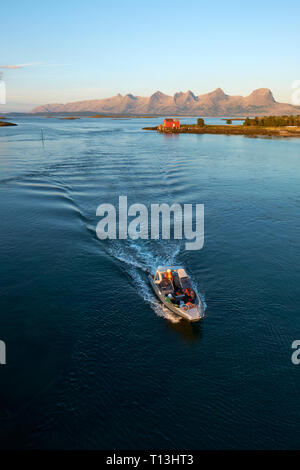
(96, 116)
(6, 124)
(252, 131)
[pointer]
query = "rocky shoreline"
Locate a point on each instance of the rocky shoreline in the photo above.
(6, 123)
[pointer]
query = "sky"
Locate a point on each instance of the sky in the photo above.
(92, 49)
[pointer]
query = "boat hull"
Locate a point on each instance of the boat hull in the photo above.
(192, 315)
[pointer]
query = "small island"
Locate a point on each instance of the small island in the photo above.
(280, 126)
(119, 116)
(6, 123)
(97, 116)
(69, 118)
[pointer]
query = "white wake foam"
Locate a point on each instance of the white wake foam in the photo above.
(142, 257)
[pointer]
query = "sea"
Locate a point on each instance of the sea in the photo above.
(93, 361)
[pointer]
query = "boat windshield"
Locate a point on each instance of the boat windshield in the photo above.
(185, 283)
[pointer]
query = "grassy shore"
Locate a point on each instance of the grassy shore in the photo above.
(253, 131)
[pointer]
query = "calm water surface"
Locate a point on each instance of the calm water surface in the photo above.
(93, 361)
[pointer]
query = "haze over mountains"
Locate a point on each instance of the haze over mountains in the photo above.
(216, 103)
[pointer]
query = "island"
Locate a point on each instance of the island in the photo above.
(98, 116)
(6, 123)
(69, 118)
(120, 116)
(280, 126)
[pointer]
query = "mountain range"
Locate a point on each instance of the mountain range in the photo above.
(215, 103)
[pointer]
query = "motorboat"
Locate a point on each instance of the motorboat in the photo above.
(174, 289)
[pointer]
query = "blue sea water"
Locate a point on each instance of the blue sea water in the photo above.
(93, 361)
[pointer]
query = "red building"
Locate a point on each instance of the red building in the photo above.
(171, 123)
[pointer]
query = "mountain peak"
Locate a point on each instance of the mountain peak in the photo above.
(184, 98)
(189, 95)
(218, 92)
(130, 96)
(157, 98)
(158, 93)
(261, 96)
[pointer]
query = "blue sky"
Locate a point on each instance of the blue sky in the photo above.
(90, 49)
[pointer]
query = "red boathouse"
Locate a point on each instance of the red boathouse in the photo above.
(171, 123)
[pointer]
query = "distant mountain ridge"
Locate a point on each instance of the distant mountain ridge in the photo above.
(215, 103)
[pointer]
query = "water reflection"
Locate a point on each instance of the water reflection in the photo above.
(189, 332)
(171, 136)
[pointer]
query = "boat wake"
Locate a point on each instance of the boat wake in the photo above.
(138, 259)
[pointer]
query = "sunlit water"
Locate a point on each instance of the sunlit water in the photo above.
(93, 361)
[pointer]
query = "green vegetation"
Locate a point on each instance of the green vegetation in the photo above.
(200, 122)
(228, 121)
(273, 121)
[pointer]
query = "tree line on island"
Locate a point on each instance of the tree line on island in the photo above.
(265, 121)
(273, 121)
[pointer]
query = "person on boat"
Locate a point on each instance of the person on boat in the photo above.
(172, 299)
(189, 295)
(193, 295)
(164, 283)
(168, 275)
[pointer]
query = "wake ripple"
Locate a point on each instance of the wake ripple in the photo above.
(140, 261)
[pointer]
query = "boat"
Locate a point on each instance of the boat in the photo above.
(173, 292)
